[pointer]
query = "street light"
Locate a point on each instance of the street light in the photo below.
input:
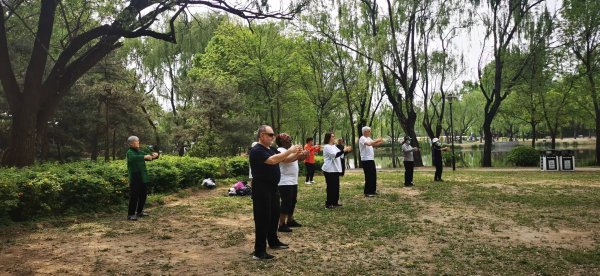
(451, 97)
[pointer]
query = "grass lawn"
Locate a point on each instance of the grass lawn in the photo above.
(477, 222)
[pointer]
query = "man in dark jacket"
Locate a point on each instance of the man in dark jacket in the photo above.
(138, 177)
(264, 163)
(436, 152)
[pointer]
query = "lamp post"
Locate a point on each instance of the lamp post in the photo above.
(451, 97)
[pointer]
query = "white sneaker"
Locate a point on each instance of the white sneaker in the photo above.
(307, 182)
(313, 182)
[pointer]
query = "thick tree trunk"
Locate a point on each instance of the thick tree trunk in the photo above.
(22, 139)
(487, 142)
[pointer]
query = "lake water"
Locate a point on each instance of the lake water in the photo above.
(471, 157)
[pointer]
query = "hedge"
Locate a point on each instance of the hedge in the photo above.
(86, 186)
(524, 156)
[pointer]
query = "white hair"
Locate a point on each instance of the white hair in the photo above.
(131, 139)
(365, 129)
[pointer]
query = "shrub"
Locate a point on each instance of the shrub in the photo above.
(39, 195)
(9, 194)
(84, 192)
(83, 186)
(237, 167)
(163, 175)
(194, 170)
(524, 156)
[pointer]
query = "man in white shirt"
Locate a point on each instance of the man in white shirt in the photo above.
(409, 161)
(367, 157)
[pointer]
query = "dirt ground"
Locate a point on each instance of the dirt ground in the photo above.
(191, 235)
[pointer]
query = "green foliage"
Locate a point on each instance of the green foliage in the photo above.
(164, 176)
(86, 186)
(237, 166)
(39, 195)
(524, 156)
(86, 192)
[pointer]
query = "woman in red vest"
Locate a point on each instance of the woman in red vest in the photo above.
(309, 162)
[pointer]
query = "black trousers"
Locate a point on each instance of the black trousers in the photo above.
(310, 171)
(265, 205)
(333, 188)
(370, 176)
(409, 169)
(138, 192)
(289, 196)
(343, 166)
(439, 167)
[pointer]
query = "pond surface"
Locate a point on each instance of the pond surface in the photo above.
(471, 156)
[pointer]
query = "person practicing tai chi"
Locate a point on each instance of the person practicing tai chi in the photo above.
(264, 162)
(436, 152)
(367, 160)
(309, 162)
(332, 167)
(288, 185)
(409, 161)
(138, 178)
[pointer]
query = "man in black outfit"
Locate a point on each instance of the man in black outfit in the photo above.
(264, 162)
(436, 152)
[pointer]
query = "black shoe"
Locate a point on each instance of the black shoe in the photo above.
(142, 214)
(369, 195)
(132, 217)
(284, 228)
(329, 206)
(294, 223)
(278, 245)
(263, 256)
(409, 185)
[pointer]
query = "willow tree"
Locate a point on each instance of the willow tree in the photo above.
(86, 31)
(582, 33)
(503, 21)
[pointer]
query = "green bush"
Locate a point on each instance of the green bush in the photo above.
(9, 194)
(194, 170)
(237, 167)
(83, 186)
(163, 175)
(84, 192)
(39, 195)
(524, 156)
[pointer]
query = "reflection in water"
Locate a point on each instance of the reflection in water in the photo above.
(471, 157)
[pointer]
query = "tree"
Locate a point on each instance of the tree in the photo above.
(582, 32)
(503, 20)
(69, 40)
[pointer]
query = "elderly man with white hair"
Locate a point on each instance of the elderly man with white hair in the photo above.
(138, 177)
(367, 156)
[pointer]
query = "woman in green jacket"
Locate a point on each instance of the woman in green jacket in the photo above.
(138, 177)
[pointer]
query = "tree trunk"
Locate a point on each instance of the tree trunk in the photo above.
(597, 137)
(487, 144)
(22, 140)
(533, 134)
(394, 165)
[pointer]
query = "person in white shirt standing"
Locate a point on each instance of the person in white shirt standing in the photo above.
(409, 161)
(288, 184)
(332, 168)
(367, 157)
